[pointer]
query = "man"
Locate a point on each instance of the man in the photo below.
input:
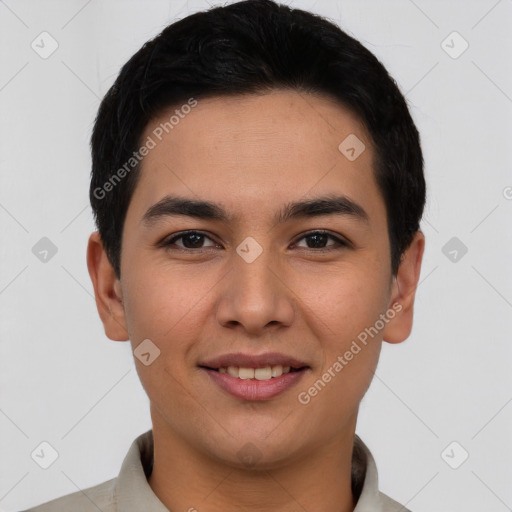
(257, 184)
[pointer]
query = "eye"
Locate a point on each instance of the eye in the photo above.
(190, 240)
(318, 239)
(195, 240)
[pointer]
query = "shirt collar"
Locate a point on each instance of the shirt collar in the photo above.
(133, 492)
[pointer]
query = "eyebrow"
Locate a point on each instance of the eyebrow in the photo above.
(170, 206)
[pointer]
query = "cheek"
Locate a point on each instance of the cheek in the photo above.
(342, 302)
(160, 304)
(164, 308)
(342, 313)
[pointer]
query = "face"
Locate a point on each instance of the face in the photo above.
(249, 274)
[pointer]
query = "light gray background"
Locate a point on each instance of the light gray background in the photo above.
(62, 381)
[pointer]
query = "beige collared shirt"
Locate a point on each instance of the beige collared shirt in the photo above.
(130, 491)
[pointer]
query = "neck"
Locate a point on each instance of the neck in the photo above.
(184, 478)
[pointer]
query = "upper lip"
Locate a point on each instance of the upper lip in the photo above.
(253, 360)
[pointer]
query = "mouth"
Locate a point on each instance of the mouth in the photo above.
(254, 383)
(254, 377)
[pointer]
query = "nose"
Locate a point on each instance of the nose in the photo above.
(254, 296)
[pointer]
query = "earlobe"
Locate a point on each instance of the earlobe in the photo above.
(107, 290)
(403, 292)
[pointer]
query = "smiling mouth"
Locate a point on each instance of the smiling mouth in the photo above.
(261, 373)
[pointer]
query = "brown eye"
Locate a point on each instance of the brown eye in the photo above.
(190, 240)
(319, 240)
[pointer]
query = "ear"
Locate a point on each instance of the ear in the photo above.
(403, 291)
(107, 290)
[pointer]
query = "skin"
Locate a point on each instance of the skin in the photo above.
(252, 155)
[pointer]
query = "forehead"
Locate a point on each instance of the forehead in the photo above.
(257, 151)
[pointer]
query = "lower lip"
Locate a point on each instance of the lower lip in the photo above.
(252, 389)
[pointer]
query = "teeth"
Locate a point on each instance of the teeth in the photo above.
(246, 373)
(265, 373)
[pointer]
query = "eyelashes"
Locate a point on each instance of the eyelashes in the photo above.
(338, 242)
(196, 235)
(194, 239)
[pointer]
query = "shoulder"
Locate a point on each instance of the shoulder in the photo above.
(129, 487)
(365, 482)
(390, 505)
(99, 497)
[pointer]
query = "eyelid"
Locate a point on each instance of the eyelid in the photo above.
(340, 240)
(168, 241)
